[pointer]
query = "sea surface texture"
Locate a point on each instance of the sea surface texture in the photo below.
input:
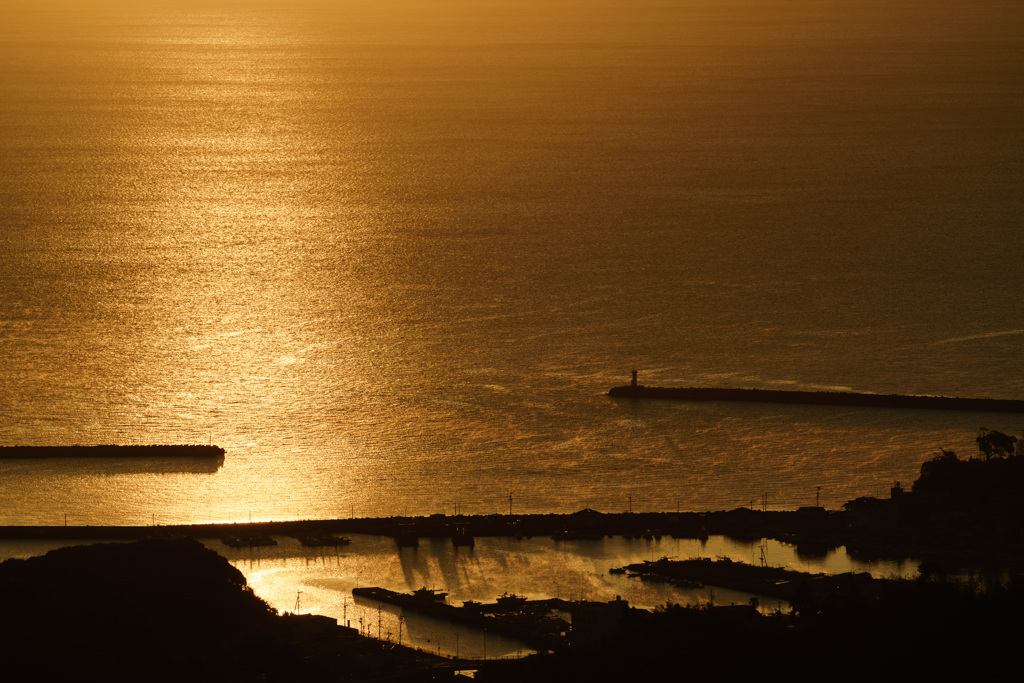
(391, 254)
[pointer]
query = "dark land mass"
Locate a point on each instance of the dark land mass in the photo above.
(174, 610)
(773, 582)
(878, 631)
(162, 610)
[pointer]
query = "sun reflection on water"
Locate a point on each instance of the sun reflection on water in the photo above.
(391, 259)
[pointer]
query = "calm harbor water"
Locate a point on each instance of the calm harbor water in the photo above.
(295, 578)
(391, 255)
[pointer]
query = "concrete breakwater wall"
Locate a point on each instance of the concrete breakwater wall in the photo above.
(112, 451)
(832, 398)
(528, 621)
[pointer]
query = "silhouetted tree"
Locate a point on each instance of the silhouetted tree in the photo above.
(803, 602)
(939, 468)
(991, 442)
(929, 570)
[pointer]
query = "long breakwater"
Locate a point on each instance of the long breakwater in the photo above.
(112, 451)
(830, 398)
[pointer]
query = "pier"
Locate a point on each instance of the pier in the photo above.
(112, 451)
(530, 622)
(820, 398)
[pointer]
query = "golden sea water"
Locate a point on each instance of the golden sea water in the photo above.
(391, 255)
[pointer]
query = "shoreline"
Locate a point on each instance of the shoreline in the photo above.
(813, 531)
(582, 525)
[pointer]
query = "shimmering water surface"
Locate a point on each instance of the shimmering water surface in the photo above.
(390, 254)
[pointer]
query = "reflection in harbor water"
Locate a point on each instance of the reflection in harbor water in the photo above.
(290, 576)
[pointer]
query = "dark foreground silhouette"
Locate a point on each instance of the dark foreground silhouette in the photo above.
(170, 610)
(909, 629)
(173, 610)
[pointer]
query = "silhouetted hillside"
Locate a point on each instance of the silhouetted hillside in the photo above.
(170, 610)
(978, 486)
(959, 512)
